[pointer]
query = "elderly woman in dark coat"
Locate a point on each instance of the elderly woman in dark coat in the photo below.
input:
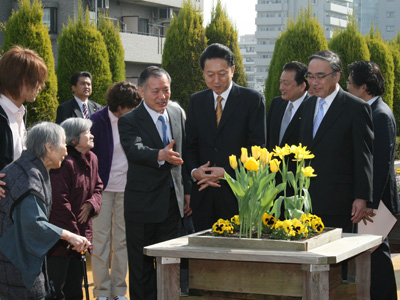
(25, 233)
(77, 190)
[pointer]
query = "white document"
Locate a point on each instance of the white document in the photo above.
(383, 222)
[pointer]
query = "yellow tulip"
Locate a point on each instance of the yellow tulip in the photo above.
(264, 155)
(255, 152)
(308, 172)
(233, 161)
(281, 152)
(274, 165)
(244, 157)
(251, 164)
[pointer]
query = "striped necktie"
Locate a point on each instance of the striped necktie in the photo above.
(85, 111)
(218, 111)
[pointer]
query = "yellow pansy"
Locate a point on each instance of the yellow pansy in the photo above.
(235, 220)
(317, 224)
(255, 152)
(274, 165)
(233, 161)
(244, 157)
(268, 220)
(308, 172)
(288, 226)
(251, 164)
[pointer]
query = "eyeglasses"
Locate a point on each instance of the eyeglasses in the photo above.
(317, 76)
(348, 82)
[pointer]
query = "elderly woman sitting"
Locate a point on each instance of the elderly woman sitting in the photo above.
(25, 233)
(77, 190)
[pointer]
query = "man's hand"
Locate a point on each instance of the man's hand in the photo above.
(369, 214)
(2, 191)
(208, 176)
(85, 211)
(169, 155)
(358, 211)
(186, 209)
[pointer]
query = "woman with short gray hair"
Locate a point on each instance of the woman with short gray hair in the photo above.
(25, 233)
(77, 190)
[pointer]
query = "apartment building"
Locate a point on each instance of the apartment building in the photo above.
(144, 25)
(271, 20)
(247, 44)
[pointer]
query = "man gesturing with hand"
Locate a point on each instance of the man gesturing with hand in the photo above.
(152, 136)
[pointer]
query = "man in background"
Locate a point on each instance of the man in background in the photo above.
(80, 106)
(366, 82)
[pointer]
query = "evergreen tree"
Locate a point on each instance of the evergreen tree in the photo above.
(184, 43)
(300, 40)
(381, 54)
(81, 47)
(114, 47)
(25, 28)
(220, 30)
(350, 45)
(396, 87)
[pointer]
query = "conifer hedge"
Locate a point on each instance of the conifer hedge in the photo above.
(81, 47)
(25, 28)
(221, 30)
(184, 43)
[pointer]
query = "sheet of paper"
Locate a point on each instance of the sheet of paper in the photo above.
(383, 222)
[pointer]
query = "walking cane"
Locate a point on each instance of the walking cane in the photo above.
(85, 279)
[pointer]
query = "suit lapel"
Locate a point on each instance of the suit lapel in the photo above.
(210, 110)
(76, 108)
(230, 105)
(149, 127)
(276, 121)
(334, 111)
(308, 119)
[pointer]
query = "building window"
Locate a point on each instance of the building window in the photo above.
(143, 26)
(390, 28)
(314, 2)
(50, 18)
(390, 14)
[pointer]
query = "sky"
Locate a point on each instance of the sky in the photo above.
(241, 12)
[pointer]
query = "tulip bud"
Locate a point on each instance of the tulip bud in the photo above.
(233, 161)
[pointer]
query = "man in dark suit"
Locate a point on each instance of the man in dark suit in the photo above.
(366, 82)
(220, 121)
(153, 137)
(80, 106)
(337, 127)
(283, 119)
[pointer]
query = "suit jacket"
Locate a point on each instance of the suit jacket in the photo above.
(274, 121)
(242, 125)
(343, 154)
(147, 189)
(384, 182)
(71, 109)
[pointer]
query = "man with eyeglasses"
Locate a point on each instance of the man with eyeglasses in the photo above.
(337, 127)
(366, 82)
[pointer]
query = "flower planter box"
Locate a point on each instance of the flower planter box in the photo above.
(201, 240)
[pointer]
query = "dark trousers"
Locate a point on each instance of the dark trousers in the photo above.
(383, 281)
(142, 272)
(66, 275)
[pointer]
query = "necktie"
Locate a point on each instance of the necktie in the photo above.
(85, 111)
(218, 111)
(285, 121)
(164, 130)
(319, 116)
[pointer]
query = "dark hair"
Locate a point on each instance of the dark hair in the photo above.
(217, 51)
(76, 76)
(368, 73)
(20, 66)
(331, 57)
(124, 94)
(152, 71)
(300, 69)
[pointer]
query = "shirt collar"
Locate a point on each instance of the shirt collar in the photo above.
(10, 106)
(225, 94)
(296, 104)
(113, 118)
(154, 115)
(80, 102)
(371, 101)
(329, 99)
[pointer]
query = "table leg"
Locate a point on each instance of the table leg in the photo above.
(168, 278)
(315, 282)
(360, 272)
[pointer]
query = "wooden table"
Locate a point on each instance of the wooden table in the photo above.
(226, 273)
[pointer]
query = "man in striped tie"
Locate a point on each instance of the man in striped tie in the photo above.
(220, 121)
(80, 106)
